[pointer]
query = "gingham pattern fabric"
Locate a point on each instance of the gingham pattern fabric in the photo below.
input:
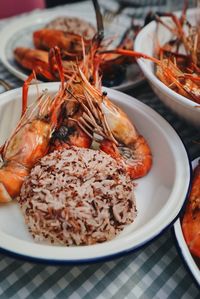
(154, 271)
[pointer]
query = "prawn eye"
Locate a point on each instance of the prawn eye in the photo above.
(91, 79)
(61, 133)
(113, 74)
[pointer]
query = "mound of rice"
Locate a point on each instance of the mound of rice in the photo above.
(73, 25)
(77, 196)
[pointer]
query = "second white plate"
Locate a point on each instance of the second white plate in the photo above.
(18, 33)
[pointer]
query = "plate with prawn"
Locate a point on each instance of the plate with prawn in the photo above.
(150, 170)
(186, 228)
(18, 35)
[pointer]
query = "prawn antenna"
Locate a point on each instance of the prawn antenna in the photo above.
(99, 19)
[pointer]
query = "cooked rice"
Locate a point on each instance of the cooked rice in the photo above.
(73, 25)
(77, 196)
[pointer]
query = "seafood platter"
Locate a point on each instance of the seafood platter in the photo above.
(87, 173)
(173, 42)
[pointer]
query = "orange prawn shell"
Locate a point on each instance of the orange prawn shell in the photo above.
(143, 157)
(191, 218)
(34, 59)
(49, 38)
(11, 180)
(29, 144)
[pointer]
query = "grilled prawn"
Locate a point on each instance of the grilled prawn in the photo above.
(191, 218)
(42, 62)
(29, 141)
(119, 137)
(69, 43)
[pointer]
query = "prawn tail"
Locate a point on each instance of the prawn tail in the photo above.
(136, 158)
(190, 226)
(12, 175)
(142, 157)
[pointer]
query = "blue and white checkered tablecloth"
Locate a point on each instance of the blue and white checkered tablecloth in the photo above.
(154, 271)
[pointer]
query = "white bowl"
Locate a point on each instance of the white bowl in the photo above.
(145, 43)
(159, 195)
(184, 250)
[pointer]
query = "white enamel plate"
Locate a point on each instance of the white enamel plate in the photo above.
(159, 195)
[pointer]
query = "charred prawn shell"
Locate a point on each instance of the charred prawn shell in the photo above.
(62, 133)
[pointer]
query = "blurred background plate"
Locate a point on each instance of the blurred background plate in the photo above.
(19, 34)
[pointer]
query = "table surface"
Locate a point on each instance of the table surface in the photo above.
(154, 271)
